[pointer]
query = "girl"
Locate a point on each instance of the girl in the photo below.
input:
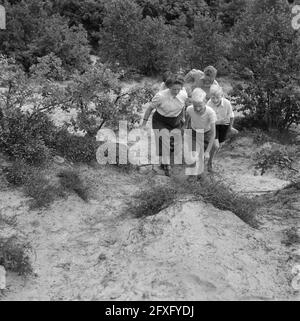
(169, 105)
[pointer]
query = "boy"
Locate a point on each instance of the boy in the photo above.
(201, 79)
(225, 118)
(201, 116)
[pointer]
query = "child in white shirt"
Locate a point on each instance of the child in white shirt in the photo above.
(201, 116)
(225, 118)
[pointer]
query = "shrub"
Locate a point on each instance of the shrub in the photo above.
(41, 191)
(18, 174)
(34, 31)
(146, 43)
(22, 137)
(100, 101)
(70, 180)
(208, 45)
(15, 256)
(223, 198)
(151, 201)
(75, 148)
(264, 41)
(48, 67)
(268, 158)
(266, 108)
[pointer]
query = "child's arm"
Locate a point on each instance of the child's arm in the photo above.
(212, 138)
(187, 121)
(147, 114)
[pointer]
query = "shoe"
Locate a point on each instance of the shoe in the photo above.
(167, 170)
(210, 168)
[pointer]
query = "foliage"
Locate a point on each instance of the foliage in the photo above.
(222, 197)
(48, 67)
(151, 201)
(34, 31)
(263, 40)
(267, 158)
(14, 255)
(70, 180)
(26, 130)
(208, 44)
(268, 108)
(42, 193)
(75, 148)
(145, 43)
(99, 99)
(18, 174)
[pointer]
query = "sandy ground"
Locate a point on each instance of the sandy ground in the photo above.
(190, 251)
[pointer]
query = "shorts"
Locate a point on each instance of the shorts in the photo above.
(222, 132)
(207, 136)
(161, 122)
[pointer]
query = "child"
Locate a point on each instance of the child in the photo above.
(225, 118)
(201, 79)
(201, 116)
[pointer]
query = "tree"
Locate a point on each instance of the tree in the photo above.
(99, 99)
(208, 43)
(265, 42)
(148, 44)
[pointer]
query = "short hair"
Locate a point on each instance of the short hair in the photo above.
(216, 89)
(198, 95)
(174, 80)
(210, 71)
(167, 74)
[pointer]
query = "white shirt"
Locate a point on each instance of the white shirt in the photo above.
(224, 111)
(202, 121)
(167, 105)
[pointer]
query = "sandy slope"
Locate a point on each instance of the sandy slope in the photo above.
(191, 251)
(89, 251)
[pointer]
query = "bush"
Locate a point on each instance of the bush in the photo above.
(268, 158)
(70, 180)
(23, 137)
(75, 148)
(14, 256)
(223, 198)
(151, 201)
(265, 108)
(100, 101)
(18, 174)
(41, 191)
(34, 31)
(147, 44)
(208, 45)
(264, 42)
(48, 67)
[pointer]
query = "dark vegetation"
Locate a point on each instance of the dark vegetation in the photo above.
(153, 200)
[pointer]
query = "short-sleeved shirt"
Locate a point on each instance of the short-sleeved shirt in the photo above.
(195, 78)
(224, 111)
(167, 105)
(203, 121)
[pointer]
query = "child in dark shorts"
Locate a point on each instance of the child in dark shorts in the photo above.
(225, 118)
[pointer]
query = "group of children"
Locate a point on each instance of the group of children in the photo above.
(195, 102)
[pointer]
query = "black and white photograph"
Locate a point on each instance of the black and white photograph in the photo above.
(149, 153)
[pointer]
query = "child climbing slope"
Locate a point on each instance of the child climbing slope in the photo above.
(201, 116)
(225, 118)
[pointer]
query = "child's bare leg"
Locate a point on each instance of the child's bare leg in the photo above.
(213, 152)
